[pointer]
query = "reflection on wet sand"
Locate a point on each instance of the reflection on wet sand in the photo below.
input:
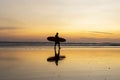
(56, 57)
(30, 63)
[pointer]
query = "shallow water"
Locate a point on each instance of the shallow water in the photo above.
(30, 63)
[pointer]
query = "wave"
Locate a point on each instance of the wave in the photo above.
(52, 44)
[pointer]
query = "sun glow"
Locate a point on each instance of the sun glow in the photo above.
(74, 19)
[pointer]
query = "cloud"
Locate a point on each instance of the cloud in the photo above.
(99, 32)
(11, 20)
(8, 28)
(8, 59)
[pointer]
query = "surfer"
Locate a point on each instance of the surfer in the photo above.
(57, 41)
(57, 56)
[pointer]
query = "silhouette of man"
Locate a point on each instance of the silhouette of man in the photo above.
(57, 41)
(57, 56)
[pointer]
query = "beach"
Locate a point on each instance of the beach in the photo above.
(80, 63)
(59, 39)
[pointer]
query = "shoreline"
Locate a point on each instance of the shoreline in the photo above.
(52, 44)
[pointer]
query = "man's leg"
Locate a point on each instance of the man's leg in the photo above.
(55, 46)
(59, 45)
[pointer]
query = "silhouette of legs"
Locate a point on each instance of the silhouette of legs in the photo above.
(57, 56)
(58, 45)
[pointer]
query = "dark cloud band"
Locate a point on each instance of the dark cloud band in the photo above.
(8, 28)
(99, 32)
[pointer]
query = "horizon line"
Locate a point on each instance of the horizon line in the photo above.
(49, 42)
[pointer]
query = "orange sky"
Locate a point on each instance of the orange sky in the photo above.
(75, 20)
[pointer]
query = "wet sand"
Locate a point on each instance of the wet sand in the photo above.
(30, 63)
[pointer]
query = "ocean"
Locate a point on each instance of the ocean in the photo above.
(7, 44)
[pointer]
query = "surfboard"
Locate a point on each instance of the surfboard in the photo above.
(53, 39)
(52, 59)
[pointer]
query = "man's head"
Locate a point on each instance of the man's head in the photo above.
(57, 33)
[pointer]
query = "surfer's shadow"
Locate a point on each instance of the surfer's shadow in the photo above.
(56, 58)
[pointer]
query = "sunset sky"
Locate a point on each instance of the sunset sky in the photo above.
(75, 20)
